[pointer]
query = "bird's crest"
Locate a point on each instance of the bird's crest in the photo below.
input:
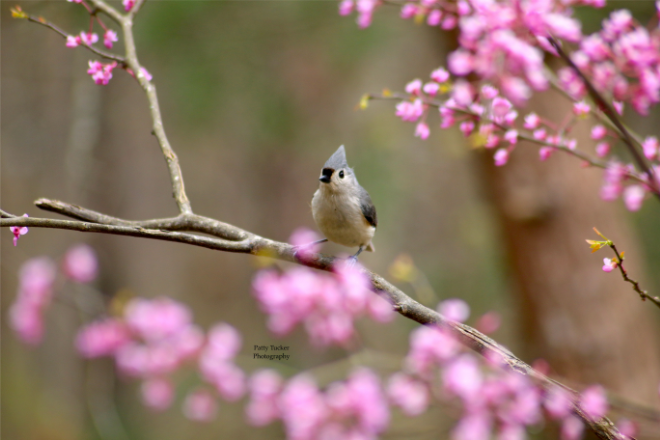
(337, 160)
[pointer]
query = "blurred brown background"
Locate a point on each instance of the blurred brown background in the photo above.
(255, 97)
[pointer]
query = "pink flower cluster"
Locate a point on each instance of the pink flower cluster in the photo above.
(156, 337)
(18, 231)
(35, 289)
(326, 304)
(101, 73)
(355, 408)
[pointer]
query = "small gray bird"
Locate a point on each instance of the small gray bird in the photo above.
(342, 209)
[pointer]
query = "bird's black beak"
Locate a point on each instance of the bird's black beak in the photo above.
(326, 174)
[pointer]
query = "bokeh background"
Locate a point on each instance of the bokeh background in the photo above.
(255, 96)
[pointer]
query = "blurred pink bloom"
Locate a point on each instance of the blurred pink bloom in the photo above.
(227, 378)
(224, 341)
(431, 88)
(109, 37)
(602, 149)
(627, 427)
(539, 134)
(440, 75)
(613, 178)
(156, 319)
(80, 263)
(489, 92)
(651, 147)
(102, 338)
(515, 89)
(303, 239)
(473, 426)
(462, 93)
(200, 406)
(409, 394)
(36, 278)
(489, 322)
(302, 407)
(88, 38)
(618, 106)
(511, 136)
(460, 62)
(430, 346)
(408, 10)
(365, 10)
(18, 231)
(454, 309)
(558, 403)
(466, 128)
(633, 197)
(157, 393)
(609, 265)
(72, 41)
(532, 121)
(434, 18)
(462, 377)
(265, 386)
(128, 4)
(75, 1)
(598, 132)
(380, 309)
(545, 153)
(422, 130)
(501, 107)
(26, 320)
(414, 87)
(572, 428)
(346, 7)
(449, 22)
(410, 111)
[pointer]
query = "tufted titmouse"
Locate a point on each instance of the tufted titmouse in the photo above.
(342, 209)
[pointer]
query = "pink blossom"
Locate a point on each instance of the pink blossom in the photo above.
(72, 41)
(651, 147)
(532, 121)
(102, 338)
(303, 408)
(200, 405)
(602, 149)
(539, 134)
(109, 37)
(410, 111)
(265, 386)
(365, 9)
(581, 108)
(618, 22)
(598, 132)
(36, 278)
(627, 427)
(609, 265)
(408, 10)
(613, 177)
(511, 136)
(101, 73)
(414, 87)
(80, 263)
(430, 346)
(88, 38)
(304, 240)
(633, 197)
(463, 7)
(460, 62)
(489, 92)
(128, 4)
(156, 319)
(440, 75)
(157, 393)
(227, 378)
(473, 426)
(462, 377)
(18, 231)
(515, 89)
(346, 7)
(411, 395)
(501, 107)
(545, 153)
(26, 320)
(422, 130)
(558, 403)
(466, 128)
(454, 309)
(379, 309)
(571, 144)
(224, 341)
(595, 47)
(462, 93)
(489, 322)
(449, 22)
(572, 428)
(434, 18)
(75, 1)
(431, 88)
(492, 141)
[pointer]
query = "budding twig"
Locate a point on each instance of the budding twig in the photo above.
(643, 294)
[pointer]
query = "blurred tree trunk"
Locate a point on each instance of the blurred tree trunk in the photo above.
(589, 325)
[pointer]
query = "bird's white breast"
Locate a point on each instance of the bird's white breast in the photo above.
(340, 218)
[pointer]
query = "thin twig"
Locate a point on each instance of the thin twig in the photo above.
(643, 294)
(611, 114)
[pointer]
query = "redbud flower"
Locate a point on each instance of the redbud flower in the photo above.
(511, 136)
(539, 134)
(101, 73)
(558, 403)
(18, 231)
(434, 18)
(408, 10)
(410, 111)
(633, 196)
(593, 400)
(346, 7)
(572, 428)
(109, 37)
(651, 147)
(422, 130)
(75, 1)
(265, 386)
(158, 318)
(463, 7)
(460, 62)
(88, 38)
(431, 88)
(462, 93)
(80, 264)
(488, 322)
(72, 41)
(449, 22)
(409, 394)
(545, 152)
(532, 121)
(613, 177)
(501, 157)
(501, 107)
(602, 149)
(598, 132)
(303, 409)
(200, 405)
(609, 265)
(462, 377)
(440, 75)
(466, 128)
(157, 393)
(414, 87)
(515, 89)
(473, 426)
(102, 338)
(454, 309)
(627, 427)
(489, 92)
(581, 108)
(148, 76)
(128, 4)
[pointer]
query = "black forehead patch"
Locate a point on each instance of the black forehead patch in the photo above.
(327, 172)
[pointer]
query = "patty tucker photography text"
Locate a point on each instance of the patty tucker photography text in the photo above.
(260, 352)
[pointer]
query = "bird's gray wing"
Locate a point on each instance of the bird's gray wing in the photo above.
(368, 208)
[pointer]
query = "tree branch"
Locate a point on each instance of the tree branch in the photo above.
(256, 245)
(643, 294)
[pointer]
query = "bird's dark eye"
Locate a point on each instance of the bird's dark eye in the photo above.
(341, 174)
